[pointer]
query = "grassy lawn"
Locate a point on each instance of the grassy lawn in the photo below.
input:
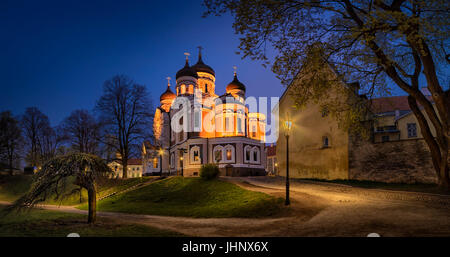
(44, 223)
(192, 197)
(12, 187)
(423, 188)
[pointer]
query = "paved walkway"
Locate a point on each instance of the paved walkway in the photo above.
(317, 209)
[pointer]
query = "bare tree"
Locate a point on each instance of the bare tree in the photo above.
(125, 115)
(33, 123)
(41, 139)
(49, 140)
(10, 139)
(367, 41)
(81, 130)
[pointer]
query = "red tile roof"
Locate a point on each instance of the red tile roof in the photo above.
(271, 150)
(134, 161)
(389, 104)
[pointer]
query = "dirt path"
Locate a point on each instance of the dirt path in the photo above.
(354, 211)
(317, 209)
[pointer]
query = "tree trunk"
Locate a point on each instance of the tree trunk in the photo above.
(125, 169)
(444, 180)
(439, 152)
(92, 200)
(11, 172)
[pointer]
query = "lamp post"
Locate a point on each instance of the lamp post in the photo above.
(160, 152)
(182, 164)
(287, 129)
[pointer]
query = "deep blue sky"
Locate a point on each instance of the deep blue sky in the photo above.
(55, 55)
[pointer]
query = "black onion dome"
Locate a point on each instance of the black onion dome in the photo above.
(235, 84)
(168, 94)
(200, 66)
(187, 71)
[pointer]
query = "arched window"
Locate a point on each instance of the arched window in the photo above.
(229, 153)
(254, 131)
(195, 155)
(172, 160)
(218, 154)
(239, 124)
(197, 119)
(227, 124)
(206, 88)
(247, 153)
(255, 154)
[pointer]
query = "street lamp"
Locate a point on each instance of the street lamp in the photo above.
(161, 153)
(182, 164)
(287, 129)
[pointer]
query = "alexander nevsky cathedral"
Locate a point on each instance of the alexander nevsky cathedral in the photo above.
(194, 125)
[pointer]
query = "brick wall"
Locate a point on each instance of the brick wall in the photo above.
(406, 161)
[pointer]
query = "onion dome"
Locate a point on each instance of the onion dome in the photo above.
(187, 71)
(168, 94)
(235, 85)
(200, 66)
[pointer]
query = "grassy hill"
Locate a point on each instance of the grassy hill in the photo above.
(12, 187)
(42, 223)
(192, 197)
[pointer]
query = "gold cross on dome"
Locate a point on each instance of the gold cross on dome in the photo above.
(234, 68)
(168, 81)
(187, 55)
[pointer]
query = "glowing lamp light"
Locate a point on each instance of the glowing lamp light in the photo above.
(181, 158)
(287, 126)
(161, 152)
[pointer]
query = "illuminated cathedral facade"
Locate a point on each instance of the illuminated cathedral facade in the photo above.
(193, 126)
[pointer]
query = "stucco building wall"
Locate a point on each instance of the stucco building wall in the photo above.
(308, 156)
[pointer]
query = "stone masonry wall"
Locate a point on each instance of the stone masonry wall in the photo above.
(406, 161)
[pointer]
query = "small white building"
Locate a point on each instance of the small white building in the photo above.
(135, 168)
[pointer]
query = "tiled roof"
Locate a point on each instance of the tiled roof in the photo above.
(271, 150)
(134, 161)
(389, 104)
(393, 103)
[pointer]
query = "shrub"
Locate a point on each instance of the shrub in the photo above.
(209, 171)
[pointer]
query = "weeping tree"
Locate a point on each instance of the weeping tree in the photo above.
(81, 169)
